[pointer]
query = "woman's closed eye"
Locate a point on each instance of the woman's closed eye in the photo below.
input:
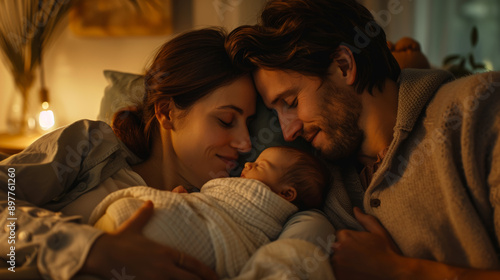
(226, 119)
(225, 123)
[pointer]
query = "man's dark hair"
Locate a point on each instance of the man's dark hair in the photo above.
(303, 36)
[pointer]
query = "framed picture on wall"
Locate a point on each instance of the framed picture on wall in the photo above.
(118, 18)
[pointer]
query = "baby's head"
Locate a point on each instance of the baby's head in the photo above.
(293, 174)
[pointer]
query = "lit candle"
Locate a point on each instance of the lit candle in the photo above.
(46, 118)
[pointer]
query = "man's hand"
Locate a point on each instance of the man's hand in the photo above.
(374, 255)
(365, 255)
(126, 252)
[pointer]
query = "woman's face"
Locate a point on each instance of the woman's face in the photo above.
(208, 139)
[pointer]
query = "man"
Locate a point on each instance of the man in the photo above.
(427, 145)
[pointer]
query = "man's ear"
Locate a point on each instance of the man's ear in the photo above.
(163, 113)
(288, 193)
(343, 59)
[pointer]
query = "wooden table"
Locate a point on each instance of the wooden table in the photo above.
(14, 143)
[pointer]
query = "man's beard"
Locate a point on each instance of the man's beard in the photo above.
(340, 112)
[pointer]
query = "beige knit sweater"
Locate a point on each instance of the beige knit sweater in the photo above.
(437, 190)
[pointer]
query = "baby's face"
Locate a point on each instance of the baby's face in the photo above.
(268, 168)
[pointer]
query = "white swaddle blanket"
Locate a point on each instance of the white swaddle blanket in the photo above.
(222, 226)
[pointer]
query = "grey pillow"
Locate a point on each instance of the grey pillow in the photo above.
(124, 90)
(127, 90)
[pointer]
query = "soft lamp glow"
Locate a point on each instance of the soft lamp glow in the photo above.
(46, 118)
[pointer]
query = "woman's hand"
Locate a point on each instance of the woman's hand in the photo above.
(126, 253)
(370, 254)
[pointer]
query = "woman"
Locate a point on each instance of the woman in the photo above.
(191, 128)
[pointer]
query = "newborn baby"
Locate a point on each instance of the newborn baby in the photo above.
(230, 218)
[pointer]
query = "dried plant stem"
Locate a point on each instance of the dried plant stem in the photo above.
(26, 28)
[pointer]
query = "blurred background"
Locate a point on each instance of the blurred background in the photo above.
(75, 61)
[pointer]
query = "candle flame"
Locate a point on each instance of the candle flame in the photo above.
(46, 118)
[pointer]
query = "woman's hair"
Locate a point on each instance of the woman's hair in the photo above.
(308, 175)
(185, 69)
(303, 36)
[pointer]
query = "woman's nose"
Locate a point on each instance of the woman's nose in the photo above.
(245, 146)
(242, 141)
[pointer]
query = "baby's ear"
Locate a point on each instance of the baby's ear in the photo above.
(288, 193)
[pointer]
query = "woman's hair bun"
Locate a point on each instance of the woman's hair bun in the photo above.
(128, 125)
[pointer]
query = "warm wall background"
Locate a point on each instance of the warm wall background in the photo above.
(74, 65)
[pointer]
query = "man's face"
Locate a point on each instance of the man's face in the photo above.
(323, 114)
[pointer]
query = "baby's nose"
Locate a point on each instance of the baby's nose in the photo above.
(248, 165)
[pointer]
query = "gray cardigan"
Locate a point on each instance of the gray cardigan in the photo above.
(437, 190)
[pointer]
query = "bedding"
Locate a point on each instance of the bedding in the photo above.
(222, 226)
(288, 259)
(3, 156)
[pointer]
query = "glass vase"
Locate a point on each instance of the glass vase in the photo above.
(21, 119)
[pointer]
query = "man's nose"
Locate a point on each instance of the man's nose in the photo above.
(291, 126)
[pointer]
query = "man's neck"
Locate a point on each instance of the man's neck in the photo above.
(377, 120)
